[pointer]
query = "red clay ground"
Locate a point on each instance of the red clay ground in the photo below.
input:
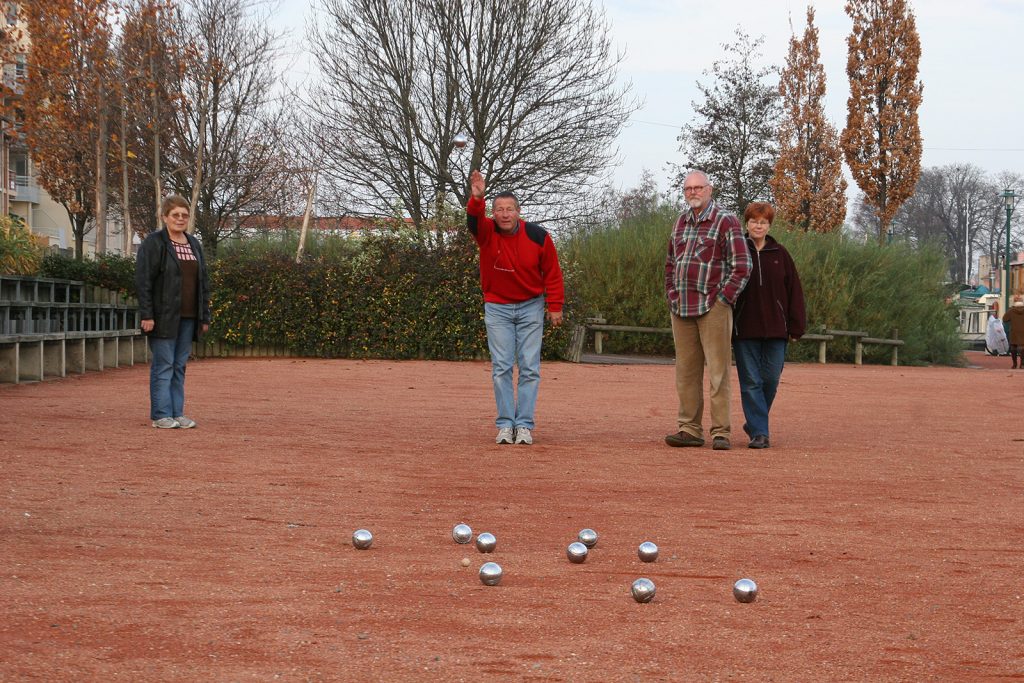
(885, 528)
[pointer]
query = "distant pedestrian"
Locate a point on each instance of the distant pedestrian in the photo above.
(174, 304)
(769, 313)
(1015, 318)
(707, 266)
(520, 275)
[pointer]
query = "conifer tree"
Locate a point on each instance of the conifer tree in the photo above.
(808, 183)
(882, 138)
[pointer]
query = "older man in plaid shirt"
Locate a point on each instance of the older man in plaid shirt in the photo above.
(707, 267)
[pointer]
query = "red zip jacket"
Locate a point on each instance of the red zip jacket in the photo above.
(517, 267)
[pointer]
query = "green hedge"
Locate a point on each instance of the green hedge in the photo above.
(397, 294)
(847, 285)
(110, 271)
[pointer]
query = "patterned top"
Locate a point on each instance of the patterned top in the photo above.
(189, 278)
(707, 259)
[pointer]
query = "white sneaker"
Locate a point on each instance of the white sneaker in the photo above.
(524, 436)
(165, 423)
(185, 423)
(505, 435)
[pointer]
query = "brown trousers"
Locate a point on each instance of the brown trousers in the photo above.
(705, 339)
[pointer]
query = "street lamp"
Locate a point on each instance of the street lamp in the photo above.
(1009, 201)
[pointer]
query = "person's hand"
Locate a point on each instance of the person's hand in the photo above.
(206, 327)
(477, 184)
(555, 318)
(148, 325)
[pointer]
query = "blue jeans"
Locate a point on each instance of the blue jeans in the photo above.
(167, 371)
(759, 366)
(514, 335)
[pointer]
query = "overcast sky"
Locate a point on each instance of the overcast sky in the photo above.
(972, 67)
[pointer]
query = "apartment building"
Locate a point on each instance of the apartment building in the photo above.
(22, 195)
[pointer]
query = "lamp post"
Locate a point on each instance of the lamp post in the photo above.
(1009, 201)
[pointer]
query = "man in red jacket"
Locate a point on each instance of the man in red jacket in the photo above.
(518, 271)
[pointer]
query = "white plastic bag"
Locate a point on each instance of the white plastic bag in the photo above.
(995, 337)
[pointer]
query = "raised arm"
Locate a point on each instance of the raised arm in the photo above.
(477, 185)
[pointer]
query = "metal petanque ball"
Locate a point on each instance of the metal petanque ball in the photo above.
(490, 574)
(362, 539)
(643, 590)
(460, 140)
(588, 537)
(576, 552)
(647, 552)
(745, 590)
(485, 542)
(462, 534)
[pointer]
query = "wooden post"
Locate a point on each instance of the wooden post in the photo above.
(858, 352)
(598, 342)
(821, 351)
(895, 347)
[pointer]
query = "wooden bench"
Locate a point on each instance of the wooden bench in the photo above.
(823, 340)
(860, 339)
(600, 326)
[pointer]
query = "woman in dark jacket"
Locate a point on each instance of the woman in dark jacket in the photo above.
(1015, 317)
(174, 304)
(769, 312)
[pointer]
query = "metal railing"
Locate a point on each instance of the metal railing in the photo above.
(26, 189)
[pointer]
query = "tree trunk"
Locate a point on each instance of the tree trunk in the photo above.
(101, 181)
(305, 220)
(126, 229)
(197, 178)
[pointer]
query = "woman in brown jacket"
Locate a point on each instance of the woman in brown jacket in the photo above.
(1015, 316)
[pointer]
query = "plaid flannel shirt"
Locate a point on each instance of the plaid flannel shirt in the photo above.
(707, 258)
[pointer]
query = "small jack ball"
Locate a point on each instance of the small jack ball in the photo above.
(362, 539)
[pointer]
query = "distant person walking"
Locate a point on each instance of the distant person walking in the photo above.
(1015, 318)
(174, 303)
(707, 266)
(519, 274)
(769, 312)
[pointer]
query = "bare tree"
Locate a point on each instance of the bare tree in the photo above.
(226, 152)
(734, 138)
(150, 61)
(957, 208)
(531, 83)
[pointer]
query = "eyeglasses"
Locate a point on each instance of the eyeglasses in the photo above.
(695, 188)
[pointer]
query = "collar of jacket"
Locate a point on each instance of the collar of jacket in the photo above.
(770, 243)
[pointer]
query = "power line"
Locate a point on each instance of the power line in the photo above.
(933, 149)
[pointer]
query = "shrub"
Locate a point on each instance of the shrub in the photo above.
(111, 271)
(20, 253)
(847, 285)
(620, 277)
(876, 289)
(396, 294)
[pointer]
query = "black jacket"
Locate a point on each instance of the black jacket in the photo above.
(771, 306)
(158, 285)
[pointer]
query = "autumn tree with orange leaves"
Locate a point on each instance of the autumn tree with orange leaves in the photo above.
(64, 103)
(882, 138)
(808, 184)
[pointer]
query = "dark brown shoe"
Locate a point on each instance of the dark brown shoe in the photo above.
(721, 443)
(682, 438)
(759, 441)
